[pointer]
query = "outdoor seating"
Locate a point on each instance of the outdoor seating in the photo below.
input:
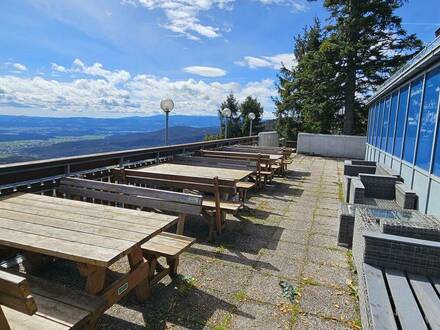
(213, 207)
(27, 302)
(139, 197)
(411, 302)
(263, 162)
(398, 250)
(242, 186)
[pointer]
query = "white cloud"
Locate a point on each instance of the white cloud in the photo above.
(273, 62)
(116, 91)
(18, 67)
(205, 71)
(57, 68)
(296, 5)
(183, 15)
(97, 69)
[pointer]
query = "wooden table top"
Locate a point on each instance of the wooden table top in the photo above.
(196, 171)
(78, 231)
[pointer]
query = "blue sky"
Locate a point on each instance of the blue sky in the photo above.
(111, 58)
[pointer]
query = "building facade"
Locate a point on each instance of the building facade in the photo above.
(403, 126)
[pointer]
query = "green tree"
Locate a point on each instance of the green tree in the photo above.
(249, 105)
(308, 94)
(371, 44)
(234, 125)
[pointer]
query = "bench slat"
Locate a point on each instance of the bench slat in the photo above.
(226, 206)
(427, 298)
(19, 320)
(133, 200)
(13, 285)
(380, 307)
(406, 306)
(167, 244)
(169, 196)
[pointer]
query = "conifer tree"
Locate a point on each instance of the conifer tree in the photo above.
(234, 127)
(249, 105)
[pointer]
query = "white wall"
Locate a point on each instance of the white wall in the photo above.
(268, 139)
(343, 146)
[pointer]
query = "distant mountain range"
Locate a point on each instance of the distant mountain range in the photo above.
(31, 138)
(13, 128)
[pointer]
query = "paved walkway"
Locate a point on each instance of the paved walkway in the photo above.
(287, 236)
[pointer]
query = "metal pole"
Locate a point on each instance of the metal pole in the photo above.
(226, 128)
(250, 130)
(166, 128)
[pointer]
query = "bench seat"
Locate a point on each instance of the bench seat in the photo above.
(165, 245)
(230, 207)
(400, 300)
(168, 244)
(58, 307)
(245, 185)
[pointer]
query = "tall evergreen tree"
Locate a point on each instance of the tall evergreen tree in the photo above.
(310, 90)
(249, 105)
(372, 44)
(339, 66)
(234, 127)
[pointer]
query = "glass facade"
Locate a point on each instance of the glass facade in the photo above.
(412, 120)
(404, 123)
(392, 123)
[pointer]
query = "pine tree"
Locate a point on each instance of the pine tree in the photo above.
(372, 44)
(309, 90)
(234, 127)
(249, 105)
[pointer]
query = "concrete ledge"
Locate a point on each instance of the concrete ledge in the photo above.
(342, 146)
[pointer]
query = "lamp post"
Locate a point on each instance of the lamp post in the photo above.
(166, 105)
(251, 117)
(226, 112)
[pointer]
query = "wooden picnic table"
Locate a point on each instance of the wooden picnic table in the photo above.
(197, 171)
(93, 236)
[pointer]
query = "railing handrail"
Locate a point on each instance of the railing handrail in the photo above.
(32, 172)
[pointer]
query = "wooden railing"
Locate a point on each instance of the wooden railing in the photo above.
(43, 175)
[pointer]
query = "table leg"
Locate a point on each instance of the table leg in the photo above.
(34, 262)
(181, 224)
(142, 290)
(95, 277)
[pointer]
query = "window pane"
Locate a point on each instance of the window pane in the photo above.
(370, 124)
(384, 134)
(428, 119)
(401, 114)
(392, 123)
(415, 99)
(379, 124)
(373, 133)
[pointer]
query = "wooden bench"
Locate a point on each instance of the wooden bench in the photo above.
(184, 204)
(143, 198)
(242, 186)
(169, 246)
(213, 208)
(31, 303)
(399, 300)
(263, 162)
(281, 164)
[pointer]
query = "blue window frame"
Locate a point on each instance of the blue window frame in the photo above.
(392, 122)
(412, 121)
(379, 123)
(428, 118)
(386, 114)
(400, 125)
(374, 125)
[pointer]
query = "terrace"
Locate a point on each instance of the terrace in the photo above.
(276, 263)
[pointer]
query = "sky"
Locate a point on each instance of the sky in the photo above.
(114, 58)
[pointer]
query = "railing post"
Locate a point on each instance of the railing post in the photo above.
(157, 158)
